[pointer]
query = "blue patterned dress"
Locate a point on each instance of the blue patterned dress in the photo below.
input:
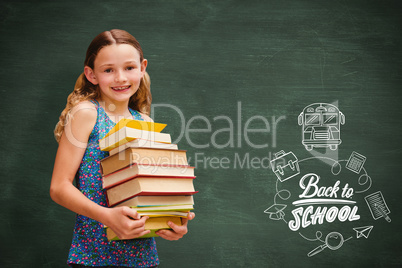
(90, 246)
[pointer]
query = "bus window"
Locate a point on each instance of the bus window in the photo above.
(330, 119)
(312, 119)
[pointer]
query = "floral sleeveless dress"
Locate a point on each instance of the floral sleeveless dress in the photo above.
(90, 246)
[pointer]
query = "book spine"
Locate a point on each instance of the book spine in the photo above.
(111, 185)
(112, 204)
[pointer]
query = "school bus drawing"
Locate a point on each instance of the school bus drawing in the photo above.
(321, 126)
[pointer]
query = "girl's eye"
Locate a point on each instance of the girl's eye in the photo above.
(108, 71)
(129, 68)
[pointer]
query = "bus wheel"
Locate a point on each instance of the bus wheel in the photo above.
(333, 147)
(309, 147)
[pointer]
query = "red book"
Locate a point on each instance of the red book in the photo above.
(149, 185)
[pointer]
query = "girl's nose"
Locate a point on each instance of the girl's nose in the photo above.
(120, 76)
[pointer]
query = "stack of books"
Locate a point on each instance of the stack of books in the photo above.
(146, 172)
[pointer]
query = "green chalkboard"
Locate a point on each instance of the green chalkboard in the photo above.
(230, 79)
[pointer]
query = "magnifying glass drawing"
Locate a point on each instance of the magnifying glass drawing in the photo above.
(333, 241)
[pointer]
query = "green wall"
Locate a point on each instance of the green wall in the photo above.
(219, 65)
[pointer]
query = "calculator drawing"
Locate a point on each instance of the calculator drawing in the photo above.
(356, 162)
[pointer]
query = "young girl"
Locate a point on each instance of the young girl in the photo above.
(114, 85)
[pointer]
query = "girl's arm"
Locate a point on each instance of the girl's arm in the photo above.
(71, 150)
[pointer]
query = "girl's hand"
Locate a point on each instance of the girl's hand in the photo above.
(126, 222)
(178, 231)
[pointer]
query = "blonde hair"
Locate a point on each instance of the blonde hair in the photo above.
(85, 90)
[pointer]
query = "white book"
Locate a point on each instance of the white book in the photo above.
(160, 200)
(143, 143)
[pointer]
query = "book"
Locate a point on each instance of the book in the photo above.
(127, 134)
(143, 143)
(146, 172)
(137, 169)
(137, 124)
(150, 185)
(161, 200)
(153, 224)
(159, 214)
(165, 208)
(143, 156)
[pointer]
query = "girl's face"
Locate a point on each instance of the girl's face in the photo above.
(118, 72)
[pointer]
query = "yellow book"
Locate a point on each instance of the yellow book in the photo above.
(153, 224)
(137, 124)
(127, 134)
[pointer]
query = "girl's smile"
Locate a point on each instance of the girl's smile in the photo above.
(121, 88)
